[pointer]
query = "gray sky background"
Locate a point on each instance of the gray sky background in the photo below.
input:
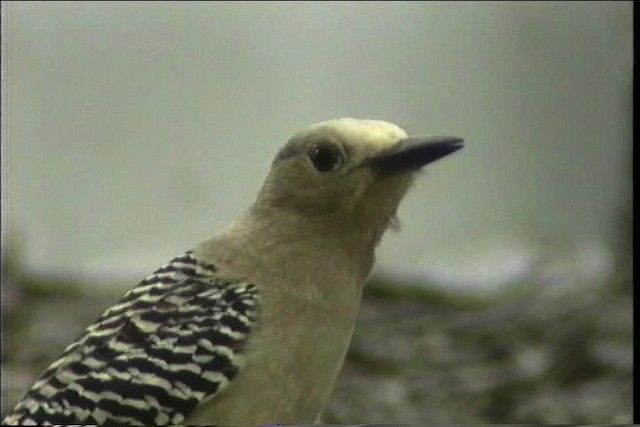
(134, 130)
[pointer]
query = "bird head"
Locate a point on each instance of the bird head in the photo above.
(350, 172)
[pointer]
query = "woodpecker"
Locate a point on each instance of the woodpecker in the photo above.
(252, 325)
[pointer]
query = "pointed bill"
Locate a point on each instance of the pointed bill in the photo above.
(414, 153)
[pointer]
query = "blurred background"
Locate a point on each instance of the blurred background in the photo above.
(132, 130)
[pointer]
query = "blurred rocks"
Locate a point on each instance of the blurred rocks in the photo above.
(544, 355)
(554, 355)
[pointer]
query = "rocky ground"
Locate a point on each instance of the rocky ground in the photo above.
(547, 357)
(542, 355)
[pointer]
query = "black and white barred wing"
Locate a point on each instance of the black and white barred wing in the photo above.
(169, 343)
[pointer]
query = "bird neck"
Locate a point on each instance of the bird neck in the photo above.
(331, 230)
(266, 234)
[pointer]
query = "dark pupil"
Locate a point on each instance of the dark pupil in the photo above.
(324, 158)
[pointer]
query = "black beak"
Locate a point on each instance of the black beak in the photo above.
(413, 153)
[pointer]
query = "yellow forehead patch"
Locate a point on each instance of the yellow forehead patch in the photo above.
(374, 132)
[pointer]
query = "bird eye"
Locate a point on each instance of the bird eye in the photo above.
(325, 158)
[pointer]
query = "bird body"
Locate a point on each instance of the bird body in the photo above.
(253, 324)
(304, 328)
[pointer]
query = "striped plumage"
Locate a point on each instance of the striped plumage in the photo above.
(168, 344)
